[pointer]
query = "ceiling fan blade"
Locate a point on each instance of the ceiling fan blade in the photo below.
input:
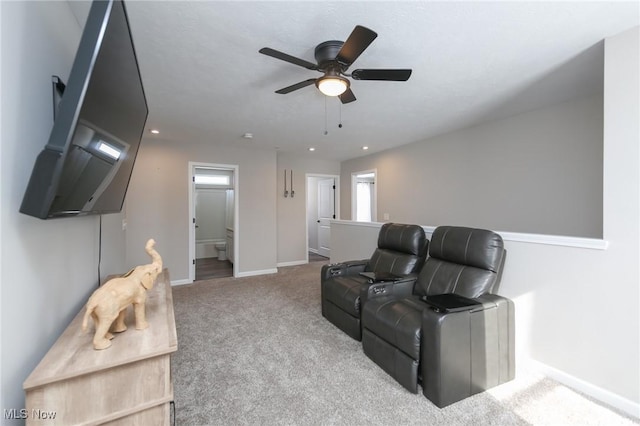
(386, 75)
(347, 97)
(296, 86)
(288, 58)
(359, 39)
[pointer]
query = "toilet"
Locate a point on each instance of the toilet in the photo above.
(221, 248)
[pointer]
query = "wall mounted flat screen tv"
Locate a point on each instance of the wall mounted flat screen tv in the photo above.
(86, 165)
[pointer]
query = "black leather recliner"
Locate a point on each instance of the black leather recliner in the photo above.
(452, 354)
(401, 251)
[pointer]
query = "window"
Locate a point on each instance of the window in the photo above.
(363, 196)
(363, 201)
(212, 179)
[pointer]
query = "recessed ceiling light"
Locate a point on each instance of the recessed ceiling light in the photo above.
(248, 136)
(155, 131)
(365, 147)
(312, 149)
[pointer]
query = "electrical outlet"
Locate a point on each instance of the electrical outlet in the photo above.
(385, 216)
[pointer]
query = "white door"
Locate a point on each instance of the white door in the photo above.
(326, 213)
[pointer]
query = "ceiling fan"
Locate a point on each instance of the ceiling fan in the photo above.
(333, 59)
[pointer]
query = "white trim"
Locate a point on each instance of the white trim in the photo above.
(181, 282)
(312, 250)
(293, 263)
(554, 240)
(258, 272)
(626, 405)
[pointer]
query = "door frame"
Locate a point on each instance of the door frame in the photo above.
(193, 165)
(374, 201)
(306, 203)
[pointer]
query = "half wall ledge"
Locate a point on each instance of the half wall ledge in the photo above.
(553, 240)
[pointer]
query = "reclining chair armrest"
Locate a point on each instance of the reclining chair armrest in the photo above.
(468, 351)
(505, 309)
(493, 300)
(350, 267)
(397, 289)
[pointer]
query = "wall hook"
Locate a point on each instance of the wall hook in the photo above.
(292, 191)
(286, 193)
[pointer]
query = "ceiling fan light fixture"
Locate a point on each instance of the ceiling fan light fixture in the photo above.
(332, 85)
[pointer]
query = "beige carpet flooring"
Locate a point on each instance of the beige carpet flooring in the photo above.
(257, 351)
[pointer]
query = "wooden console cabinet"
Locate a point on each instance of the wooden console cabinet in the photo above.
(126, 384)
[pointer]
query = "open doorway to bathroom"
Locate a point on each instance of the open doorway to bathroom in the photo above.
(214, 221)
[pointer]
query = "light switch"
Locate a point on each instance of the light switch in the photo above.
(385, 216)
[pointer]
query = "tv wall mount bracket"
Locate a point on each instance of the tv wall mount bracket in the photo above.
(57, 90)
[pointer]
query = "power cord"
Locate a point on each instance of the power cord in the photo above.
(99, 249)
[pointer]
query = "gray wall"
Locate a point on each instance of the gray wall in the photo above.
(211, 213)
(158, 203)
(577, 309)
(537, 172)
(292, 220)
(47, 268)
(312, 212)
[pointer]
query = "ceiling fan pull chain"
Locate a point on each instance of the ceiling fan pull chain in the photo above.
(326, 132)
(340, 114)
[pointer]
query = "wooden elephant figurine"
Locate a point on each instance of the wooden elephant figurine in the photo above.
(109, 302)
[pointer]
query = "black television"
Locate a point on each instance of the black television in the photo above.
(86, 165)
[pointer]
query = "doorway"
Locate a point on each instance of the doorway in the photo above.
(364, 196)
(213, 221)
(323, 206)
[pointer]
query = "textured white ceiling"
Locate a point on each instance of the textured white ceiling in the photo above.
(472, 61)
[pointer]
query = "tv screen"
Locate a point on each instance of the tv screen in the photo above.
(86, 165)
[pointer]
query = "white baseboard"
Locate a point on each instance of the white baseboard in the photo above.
(292, 263)
(258, 272)
(181, 282)
(625, 405)
(312, 250)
